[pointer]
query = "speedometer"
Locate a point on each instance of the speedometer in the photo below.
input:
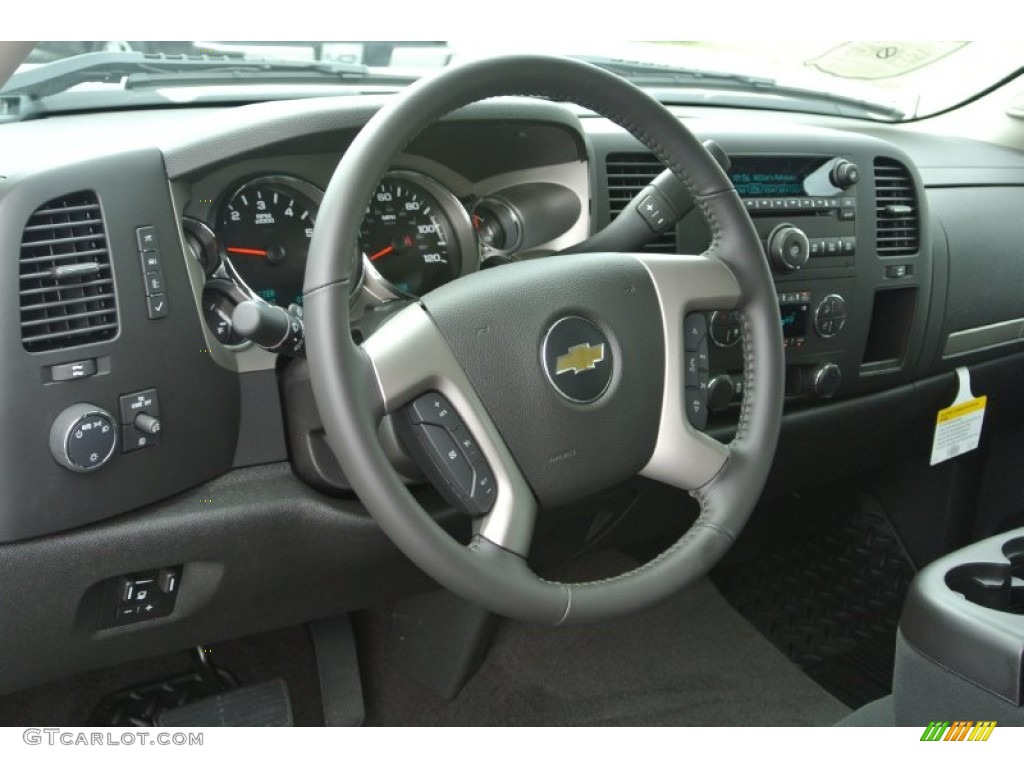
(411, 233)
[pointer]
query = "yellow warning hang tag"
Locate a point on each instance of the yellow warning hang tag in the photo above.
(958, 427)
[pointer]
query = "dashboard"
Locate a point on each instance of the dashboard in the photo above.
(894, 253)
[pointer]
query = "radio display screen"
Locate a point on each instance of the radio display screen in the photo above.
(777, 176)
(794, 320)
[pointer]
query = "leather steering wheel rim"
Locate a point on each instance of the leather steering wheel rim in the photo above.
(354, 384)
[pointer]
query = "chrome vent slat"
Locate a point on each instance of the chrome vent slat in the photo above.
(898, 219)
(49, 226)
(627, 174)
(66, 288)
(61, 240)
(70, 255)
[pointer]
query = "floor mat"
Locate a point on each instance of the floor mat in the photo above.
(692, 661)
(285, 653)
(831, 601)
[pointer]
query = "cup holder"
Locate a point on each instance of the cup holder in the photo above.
(999, 586)
(1013, 550)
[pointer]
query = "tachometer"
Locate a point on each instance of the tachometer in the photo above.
(411, 233)
(264, 228)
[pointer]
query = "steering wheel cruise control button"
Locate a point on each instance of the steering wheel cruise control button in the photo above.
(448, 453)
(433, 408)
(467, 444)
(484, 489)
(448, 458)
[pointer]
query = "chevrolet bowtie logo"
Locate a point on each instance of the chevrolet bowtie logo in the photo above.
(580, 358)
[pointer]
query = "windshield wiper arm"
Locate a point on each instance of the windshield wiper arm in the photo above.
(647, 74)
(148, 69)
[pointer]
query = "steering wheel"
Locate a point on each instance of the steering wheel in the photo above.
(553, 425)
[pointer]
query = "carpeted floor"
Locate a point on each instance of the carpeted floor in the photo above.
(692, 661)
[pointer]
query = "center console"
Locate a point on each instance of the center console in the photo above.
(960, 649)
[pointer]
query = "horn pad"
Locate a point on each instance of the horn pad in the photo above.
(567, 356)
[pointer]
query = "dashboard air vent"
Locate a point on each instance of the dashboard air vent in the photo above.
(896, 207)
(65, 282)
(628, 173)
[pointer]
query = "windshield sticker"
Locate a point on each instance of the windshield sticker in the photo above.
(881, 60)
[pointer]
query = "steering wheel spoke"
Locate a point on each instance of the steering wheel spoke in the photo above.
(683, 456)
(411, 359)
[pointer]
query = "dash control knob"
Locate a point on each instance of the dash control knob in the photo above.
(825, 380)
(83, 437)
(148, 424)
(788, 248)
(844, 174)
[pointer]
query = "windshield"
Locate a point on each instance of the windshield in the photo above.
(882, 80)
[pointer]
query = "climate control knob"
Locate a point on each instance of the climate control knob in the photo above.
(825, 380)
(83, 437)
(788, 248)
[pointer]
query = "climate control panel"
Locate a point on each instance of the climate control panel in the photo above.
(814, 320)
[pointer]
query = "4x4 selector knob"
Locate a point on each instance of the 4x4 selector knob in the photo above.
(83, 437)
(788, 248)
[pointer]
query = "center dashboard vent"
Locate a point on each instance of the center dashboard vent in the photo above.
(896, 208)
(65, 284)
(628, 173)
